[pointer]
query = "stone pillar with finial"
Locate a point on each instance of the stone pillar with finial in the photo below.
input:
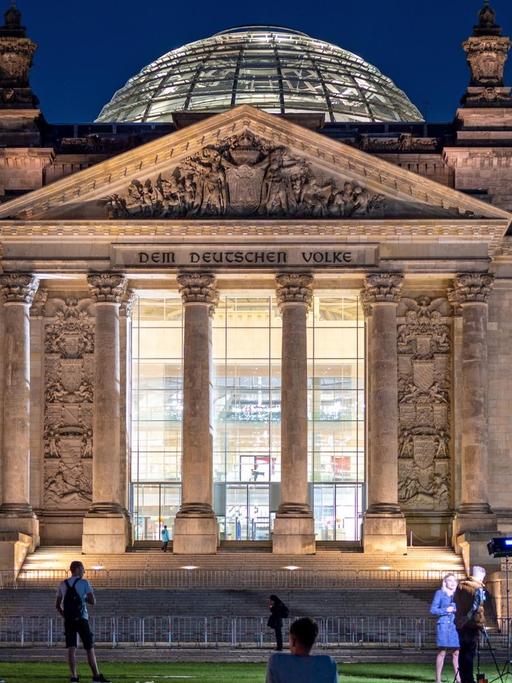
(487, 51)
(22, 157)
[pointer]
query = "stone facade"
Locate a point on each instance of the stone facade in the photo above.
(258, 202)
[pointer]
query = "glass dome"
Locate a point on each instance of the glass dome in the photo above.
(272, 68)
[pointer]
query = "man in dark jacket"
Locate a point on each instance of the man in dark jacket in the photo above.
(469, 600)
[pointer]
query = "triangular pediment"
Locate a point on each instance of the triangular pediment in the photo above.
(245, 163)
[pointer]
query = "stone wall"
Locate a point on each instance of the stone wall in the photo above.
(424, 396)
(500, 401)
(68, 417)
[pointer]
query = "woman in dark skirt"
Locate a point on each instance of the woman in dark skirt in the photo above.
(444, 608)
(278, 611)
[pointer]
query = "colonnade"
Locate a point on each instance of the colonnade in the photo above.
(106, 525)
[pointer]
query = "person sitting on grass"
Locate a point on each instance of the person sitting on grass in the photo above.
(72, 598)
(301, 666)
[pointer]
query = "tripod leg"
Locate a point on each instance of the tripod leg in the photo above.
(493, 656)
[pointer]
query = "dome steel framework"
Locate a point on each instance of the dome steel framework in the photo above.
(272, 68)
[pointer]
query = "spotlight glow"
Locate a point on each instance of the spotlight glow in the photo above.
(291, 567)
(189, 566)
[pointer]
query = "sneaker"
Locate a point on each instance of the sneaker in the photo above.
(101, 679)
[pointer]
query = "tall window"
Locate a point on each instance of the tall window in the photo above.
(247, 413)
(336, 414)
(246, 461)
(157, 394)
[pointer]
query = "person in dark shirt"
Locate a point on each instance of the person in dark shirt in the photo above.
(469, 599)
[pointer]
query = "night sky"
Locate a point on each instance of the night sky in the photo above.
(89, 48)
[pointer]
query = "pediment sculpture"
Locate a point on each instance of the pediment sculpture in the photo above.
(243, 176)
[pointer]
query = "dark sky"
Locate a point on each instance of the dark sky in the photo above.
(89, 48)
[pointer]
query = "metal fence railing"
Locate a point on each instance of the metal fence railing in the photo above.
(246, 632)
(203, 632)
(182, 579)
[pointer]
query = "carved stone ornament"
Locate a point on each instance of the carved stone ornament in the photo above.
(243, 176)
(15, 61)
(198, 288)
(404, 142)
(107, 287)
(69, 398)
(486, 59)
(127, 303)
(472, 287)
(424, 361)
(293, 288)
(18, 287)
(381, 287)
(39, 303)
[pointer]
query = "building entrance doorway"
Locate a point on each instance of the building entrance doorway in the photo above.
(247, 512)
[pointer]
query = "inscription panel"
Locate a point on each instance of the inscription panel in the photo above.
(335, 256)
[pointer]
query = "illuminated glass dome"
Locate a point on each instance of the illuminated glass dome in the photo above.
(272, 68)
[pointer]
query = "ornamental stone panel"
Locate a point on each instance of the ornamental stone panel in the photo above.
(424, 397)
(69, 398)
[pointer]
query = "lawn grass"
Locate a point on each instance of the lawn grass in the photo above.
(211, 673)
(216, 673)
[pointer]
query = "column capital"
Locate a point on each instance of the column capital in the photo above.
(471, 288)
(381, 288)
(19, 288)
(198, 288)
(107, 287)
(128, 302)
(294, 288)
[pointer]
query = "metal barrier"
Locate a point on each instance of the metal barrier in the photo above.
(184, 579)
(243, 632)
(204, 632)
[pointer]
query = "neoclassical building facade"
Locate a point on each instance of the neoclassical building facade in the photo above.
(258, 308)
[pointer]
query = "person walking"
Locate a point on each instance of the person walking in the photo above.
(73, 596)
(300, 666)
(469, 599)
(447, 637)
(278, 612)
(165, 538)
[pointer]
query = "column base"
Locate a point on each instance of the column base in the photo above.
(14, 547)
(293, 535)
(384, 533)
(195, 534)
(473, 518)
(20, 519)
(105, 533)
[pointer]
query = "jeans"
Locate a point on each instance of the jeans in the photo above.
(468, 638)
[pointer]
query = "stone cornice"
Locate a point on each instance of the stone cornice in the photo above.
(107, 287)
(471, 288)
(19, 288)
(382, 288)
(294, 288)
(111, 176)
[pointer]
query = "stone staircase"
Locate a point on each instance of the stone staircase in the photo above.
(427, 559)
(156, 602)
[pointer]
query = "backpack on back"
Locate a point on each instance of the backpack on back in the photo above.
(72, 603)
(285, 612)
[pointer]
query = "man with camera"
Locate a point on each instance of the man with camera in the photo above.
(469, 599)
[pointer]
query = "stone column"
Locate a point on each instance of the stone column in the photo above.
(471, 292)
(37, 402)
(384, 524)
(126, 386)
(195, 528)
(16, 514)
(106, 525)
(294, 531)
